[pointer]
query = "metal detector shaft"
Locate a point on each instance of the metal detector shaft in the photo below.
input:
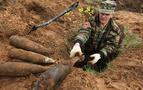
(70, 8)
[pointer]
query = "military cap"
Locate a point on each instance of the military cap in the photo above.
(107, 6)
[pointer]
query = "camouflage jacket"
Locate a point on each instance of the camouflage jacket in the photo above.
(94, 39)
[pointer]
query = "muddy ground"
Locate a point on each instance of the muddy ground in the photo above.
(124, 73)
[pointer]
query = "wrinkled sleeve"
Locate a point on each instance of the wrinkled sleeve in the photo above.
(83, 34)
(113, 43)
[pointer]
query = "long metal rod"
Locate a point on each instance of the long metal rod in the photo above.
(70, 8)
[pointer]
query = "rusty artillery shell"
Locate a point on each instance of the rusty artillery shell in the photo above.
(24, 43)
(30, 56)
(20, 69)
(50, 79)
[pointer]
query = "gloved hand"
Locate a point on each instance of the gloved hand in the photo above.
(95, 57)
(75, 50)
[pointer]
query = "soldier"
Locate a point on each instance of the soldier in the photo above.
(99, 39)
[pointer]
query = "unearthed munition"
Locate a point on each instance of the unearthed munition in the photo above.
(30, 56)
(24, 43)
(20, 69)
(52, 78)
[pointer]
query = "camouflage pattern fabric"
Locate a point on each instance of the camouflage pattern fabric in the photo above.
(107, 6)
(91, 34)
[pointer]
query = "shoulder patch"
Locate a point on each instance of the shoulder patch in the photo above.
(86, 25)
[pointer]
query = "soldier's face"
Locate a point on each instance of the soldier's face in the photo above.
(104, 18)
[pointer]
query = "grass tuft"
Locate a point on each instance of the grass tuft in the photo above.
(131, 40)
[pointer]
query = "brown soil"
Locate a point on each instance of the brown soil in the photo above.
(17, 15)
(130, 5)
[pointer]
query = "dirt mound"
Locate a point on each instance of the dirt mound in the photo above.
(131, 5)
(130, 20)
(19, 15)
(16, 16)
(125, 73)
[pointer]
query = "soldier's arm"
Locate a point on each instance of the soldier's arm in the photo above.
(113, 42)
(83, 33)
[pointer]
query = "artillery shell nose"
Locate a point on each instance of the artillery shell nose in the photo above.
(49, 60)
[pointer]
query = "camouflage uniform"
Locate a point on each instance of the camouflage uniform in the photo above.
(94, 39)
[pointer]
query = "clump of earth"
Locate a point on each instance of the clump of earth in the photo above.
(16, 16)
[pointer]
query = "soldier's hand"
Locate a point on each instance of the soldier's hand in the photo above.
(75, 50)
(94, 58)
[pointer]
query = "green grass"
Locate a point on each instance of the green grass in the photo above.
(131, 40)
(90, 69)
